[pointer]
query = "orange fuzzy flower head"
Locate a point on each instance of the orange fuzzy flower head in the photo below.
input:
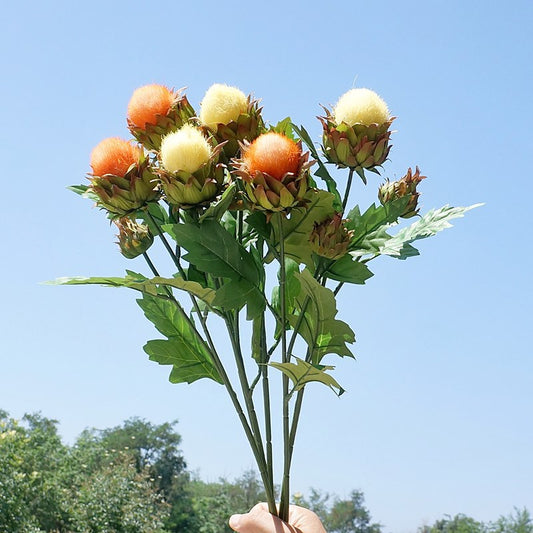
(274, 154)
(149, 102)
(114, 156)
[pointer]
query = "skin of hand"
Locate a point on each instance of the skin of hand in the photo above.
(259, 520)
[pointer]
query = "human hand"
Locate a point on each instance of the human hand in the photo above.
(259, 520)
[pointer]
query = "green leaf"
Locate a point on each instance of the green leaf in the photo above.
(139, 283)
(428, 225)
(258, 221)
(302, 373)
(184, 348)
(298, 227)
(322, 332)
(369, 228)
(322, 171)
(217, 209)
(349, 270)
(212, 249)
(284, 127)
(159, 217)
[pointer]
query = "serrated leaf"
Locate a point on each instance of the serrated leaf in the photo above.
(298, 227)
(212, 249)
(217, 209)
(184, 349)
(142, 284)
(302, 373)
(322, 171)
(349, 270)
(322, 332)
(235, 294)
(428, 225)
(369, 229)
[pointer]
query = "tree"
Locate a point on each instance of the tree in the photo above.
(342, 516)
(46, 486)
(520, 521)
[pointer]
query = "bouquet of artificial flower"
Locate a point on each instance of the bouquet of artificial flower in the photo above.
(255, 240)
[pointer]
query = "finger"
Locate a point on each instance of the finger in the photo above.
(259, 520)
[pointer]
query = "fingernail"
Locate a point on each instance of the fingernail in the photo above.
(235, 521)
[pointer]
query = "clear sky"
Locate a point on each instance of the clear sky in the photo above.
(437, 414)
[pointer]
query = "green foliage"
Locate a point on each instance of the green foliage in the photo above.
(302, 373)
(212, 249)
(340, 516)
(314, 318)
(520, 521)
(322, 171)
(184, 349)
(426, 226)
(297, 228)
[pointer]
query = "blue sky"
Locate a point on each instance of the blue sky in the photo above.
(437, 417)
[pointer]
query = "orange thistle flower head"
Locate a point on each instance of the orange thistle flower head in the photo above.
(148, 103)
(114, 156)
(274, 154)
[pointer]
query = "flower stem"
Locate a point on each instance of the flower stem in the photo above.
(266, 402)
(347, 192)
(233, 330)
(285, 486)
(257, 450)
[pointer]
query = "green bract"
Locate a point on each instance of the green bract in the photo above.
(122, 195)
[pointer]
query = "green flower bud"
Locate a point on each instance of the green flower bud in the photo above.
(392, 190)
(133, 238)
(330, 238)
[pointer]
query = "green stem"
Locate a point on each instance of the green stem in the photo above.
(256, 450)
(266, 403)
(338, 288)
(285, 485)
(347, 192)
(233, 330)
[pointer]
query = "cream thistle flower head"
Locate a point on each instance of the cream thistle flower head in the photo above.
(186, 149)
(361, 106)
(222, 104)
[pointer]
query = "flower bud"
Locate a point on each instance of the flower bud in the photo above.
(230, 117)
(361, 106)
(191, 173)
(222, 104)
(114, 156)
(390, 191)
(330, 238)
(154, 110)
(356, 133)
(133, 238)
(274, 172)
(186, 149)
(122, 177)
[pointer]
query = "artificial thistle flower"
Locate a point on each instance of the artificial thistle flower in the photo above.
(133, 238)
(190, 171)
(356, 133)
(154, 110)
(274, 172)
(330, 238)
(122, 177)
(392, 190)
(230, 116)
